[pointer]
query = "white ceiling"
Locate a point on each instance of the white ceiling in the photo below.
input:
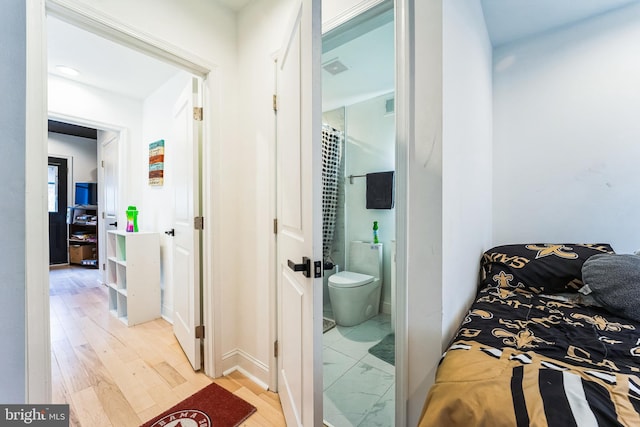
(113, 67)
(235, 4)
(103, 63)
(370, 68)
(509, 20)
(108, 65)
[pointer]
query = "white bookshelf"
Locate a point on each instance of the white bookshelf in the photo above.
(133, 276)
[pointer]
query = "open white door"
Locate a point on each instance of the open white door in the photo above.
(299, 209)
(186, 239)
(109, 143)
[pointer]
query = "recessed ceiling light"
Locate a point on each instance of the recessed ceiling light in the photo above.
(68, 70)
(334, 66)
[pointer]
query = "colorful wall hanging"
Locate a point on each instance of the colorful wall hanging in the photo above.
(156, 163)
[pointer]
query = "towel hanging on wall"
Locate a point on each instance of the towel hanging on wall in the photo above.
(380, 188)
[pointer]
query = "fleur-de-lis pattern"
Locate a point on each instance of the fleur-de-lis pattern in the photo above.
(537, 267)
(537, 349)
(523, 339)
(561, 251)
(602, 323)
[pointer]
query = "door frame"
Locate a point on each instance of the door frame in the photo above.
(403, 111)
(120, 136)
(38, 345)
(122, 172)
(69, 160)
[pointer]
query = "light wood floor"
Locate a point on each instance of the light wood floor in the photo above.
(112, 375)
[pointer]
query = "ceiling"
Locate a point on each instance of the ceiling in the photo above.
(103, 63)
(363, 51)
(112, 67)
(235, 4)
(108, 65)
(510, 20)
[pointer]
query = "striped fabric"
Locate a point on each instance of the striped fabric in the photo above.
(521, 359)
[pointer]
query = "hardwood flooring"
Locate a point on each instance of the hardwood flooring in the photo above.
(113, 375)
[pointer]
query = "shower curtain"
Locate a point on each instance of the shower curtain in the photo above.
(331, 159)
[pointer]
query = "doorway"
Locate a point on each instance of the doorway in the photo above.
(359, 131)
(77, 240)
(57, 172)
(140, 115)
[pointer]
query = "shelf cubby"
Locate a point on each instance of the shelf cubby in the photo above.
(133, 276)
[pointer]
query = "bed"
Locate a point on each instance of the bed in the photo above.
(552, 339)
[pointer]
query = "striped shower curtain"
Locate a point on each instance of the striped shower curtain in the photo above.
(331, 159)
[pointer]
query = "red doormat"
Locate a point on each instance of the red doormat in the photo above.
(213, 406)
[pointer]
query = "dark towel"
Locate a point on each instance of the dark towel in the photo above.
(380, 190)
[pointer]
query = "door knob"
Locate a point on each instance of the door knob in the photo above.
(115, 224)
(305, 267)
(171, 232)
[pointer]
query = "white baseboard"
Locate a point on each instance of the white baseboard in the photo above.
(247, 365)
(386, 307)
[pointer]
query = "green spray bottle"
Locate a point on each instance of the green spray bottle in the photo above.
(132, 219)
(375, 232)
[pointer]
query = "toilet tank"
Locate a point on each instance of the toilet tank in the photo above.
(366, 258)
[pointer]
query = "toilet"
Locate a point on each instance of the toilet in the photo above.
(355, 293)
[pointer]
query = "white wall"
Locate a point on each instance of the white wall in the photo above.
(369, 147)
(249, 170)
(422, 249)
(467, 157)
(158, 201)
(566, 135)
(449, 168)
(206, 31)
(446, 172)
(250, 298)
(106, 110)
(84, 158)
(12, 202)
(142, 122)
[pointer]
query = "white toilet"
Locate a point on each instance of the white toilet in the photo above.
(355, 294)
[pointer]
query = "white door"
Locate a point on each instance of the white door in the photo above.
(186, 239)
(108, 196)
(300, 218)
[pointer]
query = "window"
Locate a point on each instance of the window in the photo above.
(53, 188)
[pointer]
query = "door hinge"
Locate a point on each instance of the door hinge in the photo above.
(275, 348)
(102, 163)
(275, 102)
(104, 266)
(275, 225)
(200, 332)
(103, 215)
(198, 223)
(197, 114)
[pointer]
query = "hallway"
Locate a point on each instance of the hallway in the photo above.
(112, 375)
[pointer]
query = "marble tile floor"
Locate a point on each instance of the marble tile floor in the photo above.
(359, 388)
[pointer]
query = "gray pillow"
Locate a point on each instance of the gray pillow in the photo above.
(614, 280)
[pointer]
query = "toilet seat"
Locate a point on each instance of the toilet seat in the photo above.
(349, 279)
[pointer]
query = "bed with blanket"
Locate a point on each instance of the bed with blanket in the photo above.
(552, 339)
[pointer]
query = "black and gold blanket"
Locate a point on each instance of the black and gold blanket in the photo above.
(525, 359)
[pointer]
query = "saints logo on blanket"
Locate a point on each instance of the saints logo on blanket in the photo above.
(561, 251)
(530, 359)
